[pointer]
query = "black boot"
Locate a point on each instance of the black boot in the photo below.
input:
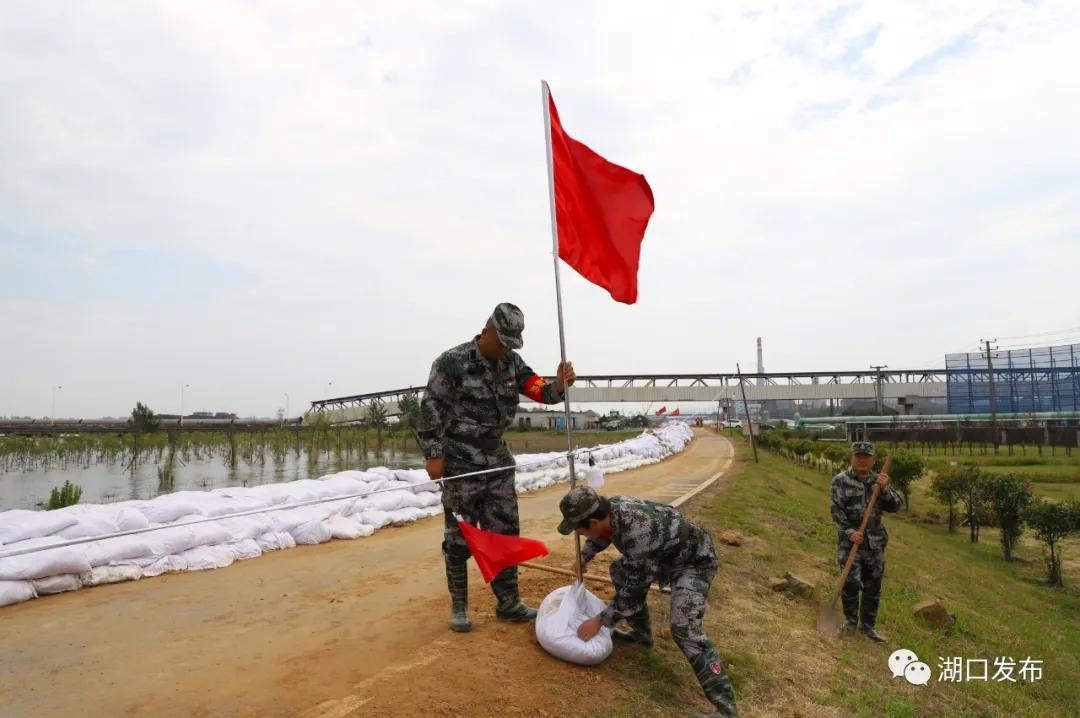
(510, 607)
(851, 611)
(640, 630)
(868, 616)
(716, 684)
(457, 580)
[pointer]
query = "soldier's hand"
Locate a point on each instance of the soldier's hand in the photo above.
(589, 628)
(857, 537)
(564, 376)
(882, 481)
(434, 468)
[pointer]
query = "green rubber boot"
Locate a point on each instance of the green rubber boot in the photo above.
(510, 607)
(640, 630)
(716, 684)
(457, 580)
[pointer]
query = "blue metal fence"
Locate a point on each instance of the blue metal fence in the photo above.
(1025, 380)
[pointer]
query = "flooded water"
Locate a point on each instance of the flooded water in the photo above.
(106, 483)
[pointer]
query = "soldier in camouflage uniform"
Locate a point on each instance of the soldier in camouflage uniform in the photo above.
(849, 495)
(656, 543)
(470, 399)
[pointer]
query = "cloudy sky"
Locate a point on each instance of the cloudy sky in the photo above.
(261, 199)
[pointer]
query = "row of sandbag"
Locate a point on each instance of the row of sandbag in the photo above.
(177, 544)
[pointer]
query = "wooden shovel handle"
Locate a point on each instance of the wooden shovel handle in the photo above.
(862, 527)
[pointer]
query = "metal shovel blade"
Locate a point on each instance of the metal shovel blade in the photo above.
(830, 621)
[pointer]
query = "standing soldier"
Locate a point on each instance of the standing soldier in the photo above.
(656, 542)
(850, 494)
(470, 399)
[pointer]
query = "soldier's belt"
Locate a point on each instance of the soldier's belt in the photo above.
(484, 443)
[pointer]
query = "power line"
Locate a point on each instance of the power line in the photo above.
(1044, 334)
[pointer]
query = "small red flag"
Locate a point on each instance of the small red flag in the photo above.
(661, 410)
(675, 413)
(601, 212)
(494, 552)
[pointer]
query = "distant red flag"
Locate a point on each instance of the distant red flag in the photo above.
(602, 211)
(675, 413)
(661, 410)
(494, 552)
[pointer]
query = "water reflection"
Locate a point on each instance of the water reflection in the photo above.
(106, 483)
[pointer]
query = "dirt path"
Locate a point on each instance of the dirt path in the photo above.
(338, 630)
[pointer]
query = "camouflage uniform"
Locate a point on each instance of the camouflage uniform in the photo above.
(658, 543)
(849, 496)
(468, 402)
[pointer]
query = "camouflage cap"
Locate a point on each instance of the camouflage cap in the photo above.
(508, 322)
(576, 506)
(862, 447)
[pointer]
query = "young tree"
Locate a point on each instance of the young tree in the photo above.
(409, 405)
(1051, 522)
(969, 483)
(1008, 497)
(143, 421)
(944, 486)
(907, 466)
(376, 416)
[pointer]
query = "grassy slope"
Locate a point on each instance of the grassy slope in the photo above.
(781, 666)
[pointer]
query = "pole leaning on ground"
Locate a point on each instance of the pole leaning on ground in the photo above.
(746, 408)
(545, 95)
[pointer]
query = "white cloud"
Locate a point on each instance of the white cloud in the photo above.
(377, 171)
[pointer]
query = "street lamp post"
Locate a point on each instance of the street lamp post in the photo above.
(52, 413)
(286, 407)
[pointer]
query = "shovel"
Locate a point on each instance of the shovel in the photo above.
(830, 620)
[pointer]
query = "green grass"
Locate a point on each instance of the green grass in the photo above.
(781, 666)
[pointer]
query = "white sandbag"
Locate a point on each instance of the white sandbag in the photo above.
(121, 548)
(168, 508)
(248, 548)
(241, 528)
(57, 584)
(100, 575)
(204, 558)
(557, 621)
(376, 519)
(20, 524)
(311, 533)
(342, 528)
(16, 592)
(41, 564)
(96, 520)
(165, 564)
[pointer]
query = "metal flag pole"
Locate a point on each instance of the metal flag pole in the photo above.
(545, 94)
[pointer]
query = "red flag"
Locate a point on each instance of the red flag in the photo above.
(601, 212)
(675, 413)
(494, 552)
(661, 410)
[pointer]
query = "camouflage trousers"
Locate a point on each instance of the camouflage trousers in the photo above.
(489, 501)
(689, 599)
(867, 572)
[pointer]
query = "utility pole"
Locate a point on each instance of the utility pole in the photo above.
(880, 393)
(746, 408)
(993, 391)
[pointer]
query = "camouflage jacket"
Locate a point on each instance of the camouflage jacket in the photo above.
(849, 496)
(656, 542)
(469, 401)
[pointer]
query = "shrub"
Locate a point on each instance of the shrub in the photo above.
(66, 495)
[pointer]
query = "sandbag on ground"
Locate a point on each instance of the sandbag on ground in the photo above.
(557, 621)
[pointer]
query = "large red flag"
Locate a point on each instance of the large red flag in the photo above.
(494, 552)
(601, 212)
(661, 410)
